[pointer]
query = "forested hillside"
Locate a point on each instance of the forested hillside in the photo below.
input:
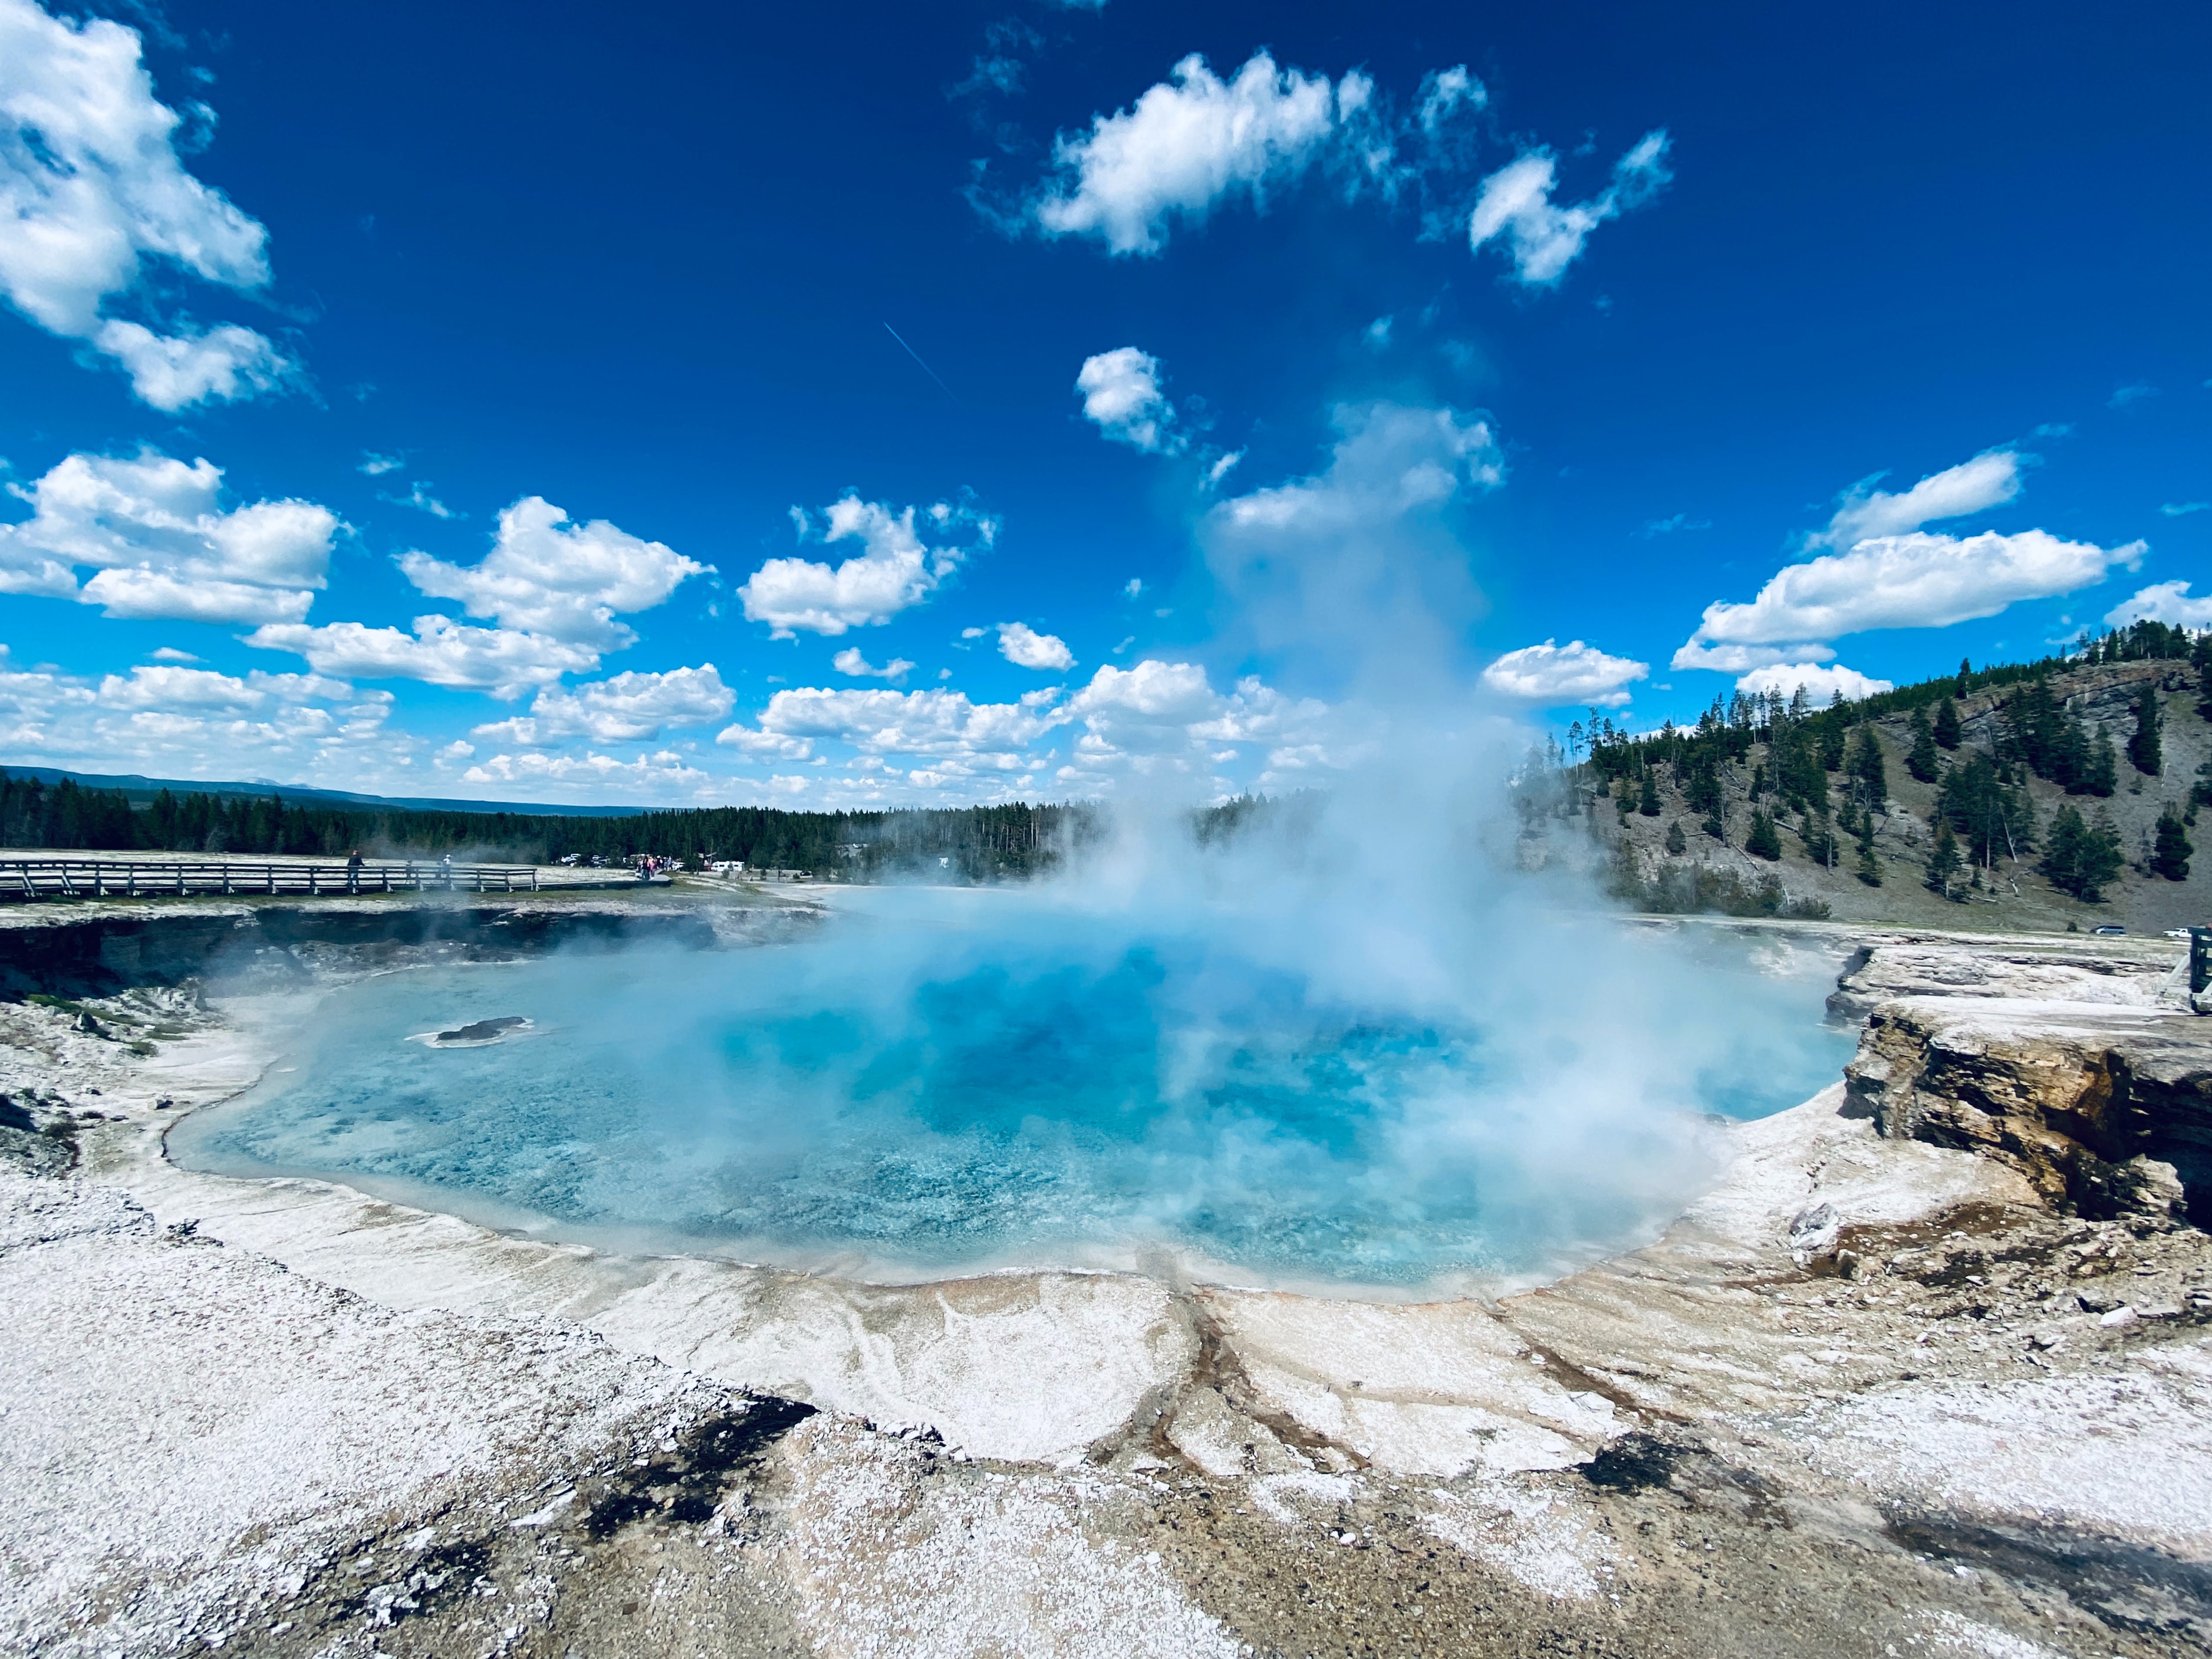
(2037, 794)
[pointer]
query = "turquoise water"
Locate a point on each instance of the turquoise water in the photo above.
(909, 1098)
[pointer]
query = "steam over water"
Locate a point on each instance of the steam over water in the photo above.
(945, 1081)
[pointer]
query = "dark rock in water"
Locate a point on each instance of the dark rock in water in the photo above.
(484, 1030)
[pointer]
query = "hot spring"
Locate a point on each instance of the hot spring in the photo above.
(946, 1082)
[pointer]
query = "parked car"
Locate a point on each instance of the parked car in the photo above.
(2108, 927)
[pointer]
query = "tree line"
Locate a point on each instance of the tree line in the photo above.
(976, 843)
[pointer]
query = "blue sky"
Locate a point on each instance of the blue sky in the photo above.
(691, 371)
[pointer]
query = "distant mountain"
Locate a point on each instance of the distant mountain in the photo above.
(143, 788)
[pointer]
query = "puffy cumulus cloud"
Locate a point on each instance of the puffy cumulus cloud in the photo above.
(1990, 479)
(1121, 395)
(1917, 580)
(439, 652)
(164, 545)
(169, 720)
(161, 686)
(563, 581)
(1891, 572)
(894, 570)
(1739, 659)
(624, 708)
(2166, 602)
(91, 187)
(1187, 143)
(768, 745)
(1542, 238)
(1023, 646)
(1164, 720)
(1194, 142)
(1551, 674)
(851, 661)
(939, 723)
(1820, 683)
(656, 776)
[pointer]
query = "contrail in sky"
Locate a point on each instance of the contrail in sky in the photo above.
(926, 368)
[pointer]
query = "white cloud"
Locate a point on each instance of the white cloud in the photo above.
(2166, 602)
(1820, 683)
(1187, 143)
(439, 652)
(419, 496)
(198, 723)
(2183, 509)
(894, 571)
(1553, 674)
(1121, 393)
(1543, 239)
(91, 186)
(165, 548)
(937, 723)
(1892, 573)
(568, 582)
(174, 371)
(624, 708)
(1390, 460)
(170, 654)
(772, 744)
(1917, 580)
(1739, 659)
(1990, 479)
(1133, 588)
(2134, 393)
(1023, 646)
(851, 661)
(1166, 718)
(377, 466)
(173, 688)
(1444, 93)
(664, 772)
(1669, 525)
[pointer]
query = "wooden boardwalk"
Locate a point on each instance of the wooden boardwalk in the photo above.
(92, 878)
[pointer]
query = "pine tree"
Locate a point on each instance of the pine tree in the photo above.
(2144, 748)
(2170, 856)
(1922, 759)
(2101, 774)
(1820, 839)
(1944, 859)
(1965, 668)
(1863, 762)
(1676, 845)
(2081, 857)
(1761, 842)
(1947, 725)
(1832, 742)
(1714, 827)
(1869, 868)
(1648, 803)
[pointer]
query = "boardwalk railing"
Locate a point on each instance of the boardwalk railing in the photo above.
(38, 878)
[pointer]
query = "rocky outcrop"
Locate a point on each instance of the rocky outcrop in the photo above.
(2124, 974)
(98, 950)
(2107, 1111)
